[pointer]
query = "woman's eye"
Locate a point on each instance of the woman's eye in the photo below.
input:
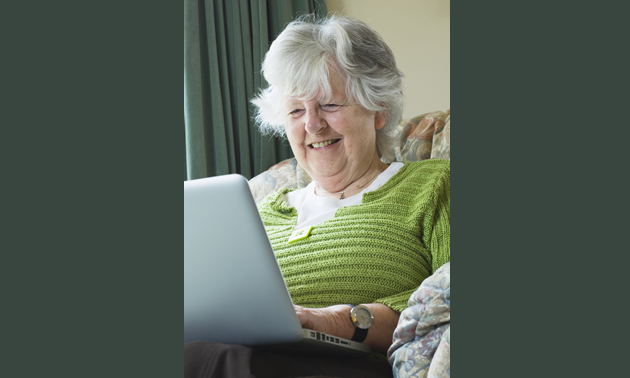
(296, 112)
(331, 107)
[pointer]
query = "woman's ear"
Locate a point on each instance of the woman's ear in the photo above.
(379, 120)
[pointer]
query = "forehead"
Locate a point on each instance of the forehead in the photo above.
(338, 93)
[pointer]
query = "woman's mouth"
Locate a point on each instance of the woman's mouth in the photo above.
(324, 144)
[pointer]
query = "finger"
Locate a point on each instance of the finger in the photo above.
(302, 315)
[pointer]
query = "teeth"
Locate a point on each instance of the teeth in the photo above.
(323, 144)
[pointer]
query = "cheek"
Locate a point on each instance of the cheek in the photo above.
(295, 134)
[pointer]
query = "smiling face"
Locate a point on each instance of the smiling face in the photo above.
(334, 141)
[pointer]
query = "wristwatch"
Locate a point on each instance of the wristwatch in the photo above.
(362, 319)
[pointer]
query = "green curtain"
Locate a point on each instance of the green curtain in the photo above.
(225, 42)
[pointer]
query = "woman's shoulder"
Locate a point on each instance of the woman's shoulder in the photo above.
(426, 170)
(415, 180)
(424, 185)
(429, 166)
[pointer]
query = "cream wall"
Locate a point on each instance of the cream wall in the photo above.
(419, 34)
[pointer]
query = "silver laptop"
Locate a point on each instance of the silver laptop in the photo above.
(234, 291)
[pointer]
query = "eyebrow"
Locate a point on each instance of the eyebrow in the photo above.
(333, 100)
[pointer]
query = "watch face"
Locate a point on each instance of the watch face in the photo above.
(362, 317)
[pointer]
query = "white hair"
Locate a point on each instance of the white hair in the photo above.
(298, 64)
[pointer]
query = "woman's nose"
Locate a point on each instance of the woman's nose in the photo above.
(314, 122)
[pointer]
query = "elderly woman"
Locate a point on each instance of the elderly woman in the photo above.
(363, 232)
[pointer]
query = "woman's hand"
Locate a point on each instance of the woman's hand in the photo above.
(336, 321)
(330, 320)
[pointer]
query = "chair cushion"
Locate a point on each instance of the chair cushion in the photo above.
(419, 136)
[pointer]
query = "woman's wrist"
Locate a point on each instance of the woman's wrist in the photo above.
(346, 328)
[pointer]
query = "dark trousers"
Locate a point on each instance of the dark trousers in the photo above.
(210, 360)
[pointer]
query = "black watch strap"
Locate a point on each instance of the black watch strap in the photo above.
(359, 334)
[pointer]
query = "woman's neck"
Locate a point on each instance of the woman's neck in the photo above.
(349, 185)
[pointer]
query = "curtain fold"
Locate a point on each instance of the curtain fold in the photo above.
(224, 44)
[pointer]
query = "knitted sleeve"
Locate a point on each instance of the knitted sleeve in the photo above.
(437, 237)
(431, 209)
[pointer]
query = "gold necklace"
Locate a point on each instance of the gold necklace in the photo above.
(343, 196)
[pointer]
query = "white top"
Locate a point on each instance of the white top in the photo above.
(313, 209)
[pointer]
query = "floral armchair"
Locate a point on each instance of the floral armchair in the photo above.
(421, 345)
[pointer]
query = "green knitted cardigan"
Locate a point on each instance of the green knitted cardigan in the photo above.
(376, 252)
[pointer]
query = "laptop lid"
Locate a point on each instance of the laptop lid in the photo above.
(234, 291)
